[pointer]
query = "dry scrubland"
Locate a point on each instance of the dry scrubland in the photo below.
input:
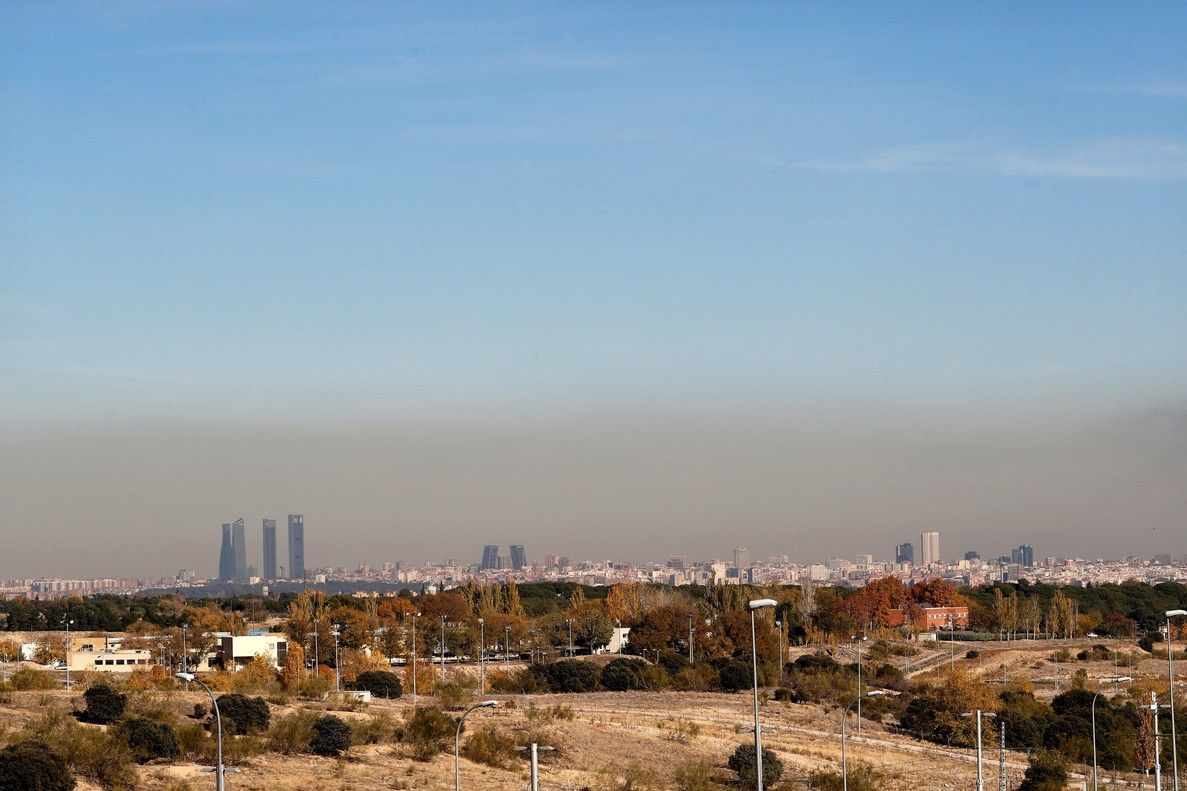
(606, 741)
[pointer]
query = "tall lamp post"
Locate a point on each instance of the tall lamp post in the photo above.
(442, 649)
(873, 693)
(457, 742)
(757, 604)
(857, 643)
(690, 636)
(337, 682)
(69, 621)
(414, 658)
(569, 623)
(1170, 669)
(482, 656)
(1095, 770)
(506, 646)
(218, 721)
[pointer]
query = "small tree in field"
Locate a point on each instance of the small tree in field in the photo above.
(380, 683)
(33, 766)
(742, 762)
(104, 704)
(331, 736)
(149, 739)
(1047, 772)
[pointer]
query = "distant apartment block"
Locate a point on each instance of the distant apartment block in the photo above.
(929, 548)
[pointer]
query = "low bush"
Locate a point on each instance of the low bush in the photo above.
(374, 730)
(246, 715)
(331, 736)
(693, 775)
(861, 778)
(148, 739)
(292, 732)
(573, 675)
(33, 766)
(491, 746)
(735, 675)
(427, 732)
(27, 679)
(104, 704)
(742, 762)
(622, 675)
(379, 683)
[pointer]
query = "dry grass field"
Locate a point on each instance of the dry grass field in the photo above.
(605, 741)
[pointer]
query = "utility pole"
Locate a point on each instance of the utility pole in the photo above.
(690, 634)
(1157, 744)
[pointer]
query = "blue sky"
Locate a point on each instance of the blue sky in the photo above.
(292, 209)
(397, 214)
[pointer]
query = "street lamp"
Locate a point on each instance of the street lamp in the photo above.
(218, 720)
(185, 667)
(414, 658)
(69, 621)
(1095, 771)
(442, 649)
(337, 683)
(481, 656)
(457, 742)
(757, 604)
(506, 646)
(857, 642)
(1170, 669)
(690, 635)
(569, 623)
(873, 693)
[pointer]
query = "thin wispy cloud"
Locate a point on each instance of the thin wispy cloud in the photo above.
(1118, 159)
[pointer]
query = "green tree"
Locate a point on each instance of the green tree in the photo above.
(33, 766)
(148, 739)
(104, 704)
(331, 736)
(742, 762)
(1047, 771)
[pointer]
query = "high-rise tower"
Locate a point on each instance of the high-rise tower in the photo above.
(904, 553)
(239, 543)
(269, 549)
(226, 555)
(741, 558)
(929, 548)
(490, 557)
(296, 547)
(519, 558)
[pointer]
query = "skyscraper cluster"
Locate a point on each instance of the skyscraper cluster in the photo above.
(232, 556)
(493, 561)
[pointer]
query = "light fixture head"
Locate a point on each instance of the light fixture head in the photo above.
(184, 676)
(757, 604)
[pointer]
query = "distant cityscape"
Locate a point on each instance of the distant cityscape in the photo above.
(738, 567)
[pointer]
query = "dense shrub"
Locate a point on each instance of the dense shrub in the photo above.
(148, 739)
(1047, 771)
(427, 731)
(693, 775)
(735, 675)
(621, 675)
(573, 675)
(33, 766)
(246, 715)
(331, 736)
(292, 732)
(860, 779)
(522, 681)
(104, 704)
(490, 746)
(379, 683)
(742, 762)
(28, 679)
